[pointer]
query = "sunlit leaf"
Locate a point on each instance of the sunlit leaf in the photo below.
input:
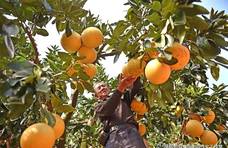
(42, 32)
(197, 23)
(64, 108)
(156, 5)
(194, 9)
(218, 39)
(180, 18)
(215, 72)
(154, 18)
(222, 60)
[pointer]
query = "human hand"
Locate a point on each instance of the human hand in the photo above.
(125, 82)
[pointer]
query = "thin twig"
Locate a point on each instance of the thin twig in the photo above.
(32, 40)
(109, 54)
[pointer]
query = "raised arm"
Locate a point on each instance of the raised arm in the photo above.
(107, 107)
(137, 87)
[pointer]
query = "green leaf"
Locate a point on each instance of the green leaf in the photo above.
(80, 87)
(60, 26)
(197, 23)
(151, 98)
(132, 16)
(180, 33)
(43, 85)
(64, 108)
(156, 6)
(49, 116)
(15, 110)
(58, 105)
(179, 18)
(215, 72)
(121, 26)
(55, 101)
(88, 86)
(21, 65)
(3, 49)
(83, 75)
(42, 32)
(194, 9)
(65, 56)
(207, 48)
(27, 99)
(154, 18)
(168, 8)
(218, 39)
(222, 60)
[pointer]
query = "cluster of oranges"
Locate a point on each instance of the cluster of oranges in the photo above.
(195, 128)
(84, 45)
(155, 71)
(140, 109)
(42, 135)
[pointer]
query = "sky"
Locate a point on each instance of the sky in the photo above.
(112, 11)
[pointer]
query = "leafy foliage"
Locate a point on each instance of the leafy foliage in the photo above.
(31, 88)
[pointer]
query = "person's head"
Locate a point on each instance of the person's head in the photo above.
(101, 90)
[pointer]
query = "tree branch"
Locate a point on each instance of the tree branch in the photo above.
(109, 54)
(32, 40)
(62, 140)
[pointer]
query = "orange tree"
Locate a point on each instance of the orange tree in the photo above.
(178, 32)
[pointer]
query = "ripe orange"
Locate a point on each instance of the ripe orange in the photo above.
(137, 117)
(72, 43)
(92, 37)
(71, 71)
(210, 117)
(138, 107)
(38, 135)
(125, 70)
(134, 67)
(181, 53)
(208, 138)
(90, 70)
(89, 55)
(59, 126)
(220, 127)
(157, 72)
(195, 116)
(194, 128)
(141, 129)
